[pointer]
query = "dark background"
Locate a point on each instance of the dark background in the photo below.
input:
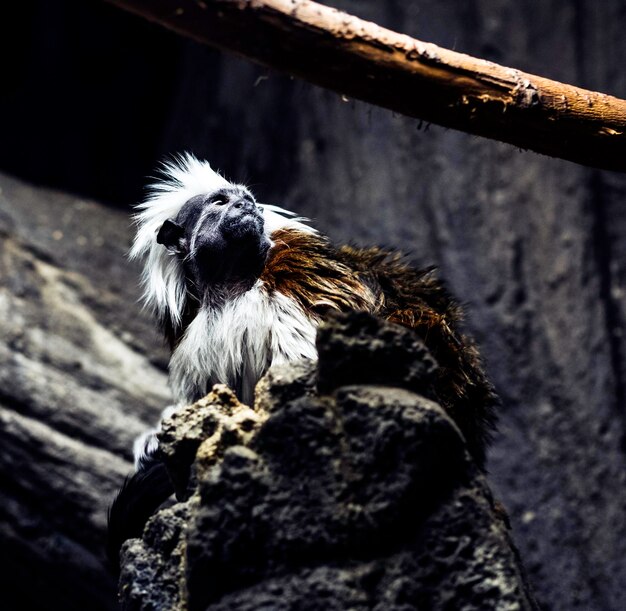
(92, 98)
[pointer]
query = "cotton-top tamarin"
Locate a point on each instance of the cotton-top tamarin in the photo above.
(238, 286)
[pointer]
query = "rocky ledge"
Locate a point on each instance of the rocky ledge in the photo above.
(345, 487)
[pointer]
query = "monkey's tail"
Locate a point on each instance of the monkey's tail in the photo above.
(139, 497)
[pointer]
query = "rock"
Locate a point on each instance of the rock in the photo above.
(152, 568)
(362, 349)
(77, 383)
(203, 429)
(362, 497)
(535, 247)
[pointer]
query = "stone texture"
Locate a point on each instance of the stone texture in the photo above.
(535, 247)
(363, 497)
(76, 385)
(201, 431)
(151, 575)
(359, 350)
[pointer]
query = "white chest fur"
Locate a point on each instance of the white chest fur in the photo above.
(235, 344)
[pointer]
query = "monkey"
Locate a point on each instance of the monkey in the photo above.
(238, 286)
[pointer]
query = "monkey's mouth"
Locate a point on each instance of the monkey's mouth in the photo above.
(245, 225)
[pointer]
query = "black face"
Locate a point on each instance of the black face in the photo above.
(219, 237)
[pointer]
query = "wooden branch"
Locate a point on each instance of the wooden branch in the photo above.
(364, 61)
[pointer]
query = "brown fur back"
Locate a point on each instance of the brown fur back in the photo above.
(319, 277)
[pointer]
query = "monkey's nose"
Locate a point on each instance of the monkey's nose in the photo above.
(244, 205)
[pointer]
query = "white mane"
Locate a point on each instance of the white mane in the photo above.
(183, 178)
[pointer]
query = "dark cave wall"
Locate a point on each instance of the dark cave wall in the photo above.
(82, 94)
(534, 246)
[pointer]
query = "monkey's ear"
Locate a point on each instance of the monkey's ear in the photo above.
(171, 236)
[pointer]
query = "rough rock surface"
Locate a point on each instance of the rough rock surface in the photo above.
(93, 97)
(360, 497)
(76, 387)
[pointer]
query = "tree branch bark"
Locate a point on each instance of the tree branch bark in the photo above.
(362, 60)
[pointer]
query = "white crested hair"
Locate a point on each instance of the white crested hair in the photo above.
(184, 177)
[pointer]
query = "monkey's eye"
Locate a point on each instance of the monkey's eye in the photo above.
(219, 200)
